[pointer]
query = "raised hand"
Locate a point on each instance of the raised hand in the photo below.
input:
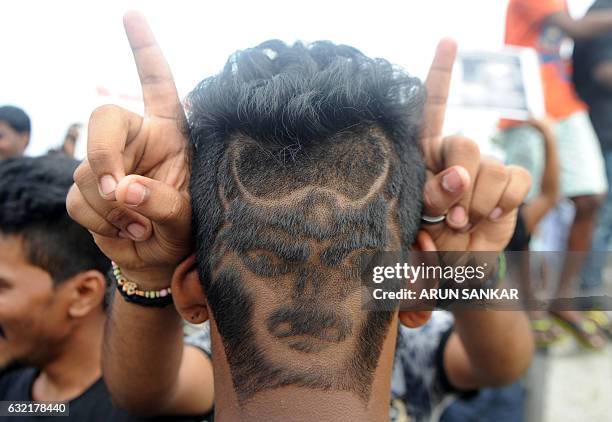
(131, 192)
(480, 198)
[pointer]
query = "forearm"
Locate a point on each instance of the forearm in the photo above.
(603, 74)
(591, 25)
(550, 176)
(142, 356)
(490, 348)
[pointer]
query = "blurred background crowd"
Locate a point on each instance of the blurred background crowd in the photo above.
(60, 61)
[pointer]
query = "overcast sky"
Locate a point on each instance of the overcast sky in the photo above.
(55, 54)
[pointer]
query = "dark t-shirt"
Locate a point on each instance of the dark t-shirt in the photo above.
(92, 405)
(587, 55)
(521, 236)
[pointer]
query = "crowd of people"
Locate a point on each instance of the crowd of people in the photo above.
(202, 261)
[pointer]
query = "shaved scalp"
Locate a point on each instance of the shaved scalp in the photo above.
(305, 164)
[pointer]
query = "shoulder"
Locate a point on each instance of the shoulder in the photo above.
(426, 338)
(96, 404)
(16, 384)
(418, 372)
(417, 348)
(537, 10)
(199, 338)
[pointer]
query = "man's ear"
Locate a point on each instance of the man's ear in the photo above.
(417, 318)
(86, 292)
(423, 242)
(187, 292)
(24, 140)
(414, 319)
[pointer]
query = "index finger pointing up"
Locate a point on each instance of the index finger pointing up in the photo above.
(438, 86)
(158, 89)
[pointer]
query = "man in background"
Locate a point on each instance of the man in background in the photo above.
(544, 25)
(14, 131)
(52, 294)
(593, 81)
(68, 146)
(507, 404)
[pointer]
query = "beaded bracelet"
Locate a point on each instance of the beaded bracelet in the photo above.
(495, 281)
(132, 293)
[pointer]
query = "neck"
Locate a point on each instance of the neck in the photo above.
(298, 403)
(77, 365)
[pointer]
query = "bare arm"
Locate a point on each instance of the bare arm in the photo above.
(602, 73)
(488, 348)
(593, 24)
(72, 135)
(146, 366)
(537, 208)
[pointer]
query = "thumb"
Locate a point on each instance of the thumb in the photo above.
(444, 190)
(161, 203)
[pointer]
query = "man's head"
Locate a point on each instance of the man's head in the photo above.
(51, 272)
(601, 4)
(305, 162)
(14, 132)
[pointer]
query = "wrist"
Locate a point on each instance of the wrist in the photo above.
(149, 279)
(144, 296)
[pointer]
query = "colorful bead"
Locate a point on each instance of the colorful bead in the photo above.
(131, 288)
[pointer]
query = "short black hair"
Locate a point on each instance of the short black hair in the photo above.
(295, 146)
(16, 118)
(33, 196)
(601, 4)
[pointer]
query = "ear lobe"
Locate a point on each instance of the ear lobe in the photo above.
(414, 319)
(422, 243)
(188, 295)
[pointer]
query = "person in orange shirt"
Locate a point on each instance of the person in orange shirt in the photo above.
(546, 25)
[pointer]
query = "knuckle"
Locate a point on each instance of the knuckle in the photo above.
(117, 215)
(463, 146)
(102, 242)
(104, 229)
(477, 213)
(175, 211)
(437, 98)
(74, 202)
(104, 110)
(494, 171)
(511, 200)
(522, 174)
(80, 173)
(99, 154)
(84, 215)
(431, 199)
(517, 189)
(154, 79)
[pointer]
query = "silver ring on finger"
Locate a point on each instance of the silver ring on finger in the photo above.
(429, 220)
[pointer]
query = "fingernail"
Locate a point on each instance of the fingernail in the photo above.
(123, 235)
(136, 230)
(107, 185)
(458, 215)
(452, 181)
(495, 214)
(135, 194)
